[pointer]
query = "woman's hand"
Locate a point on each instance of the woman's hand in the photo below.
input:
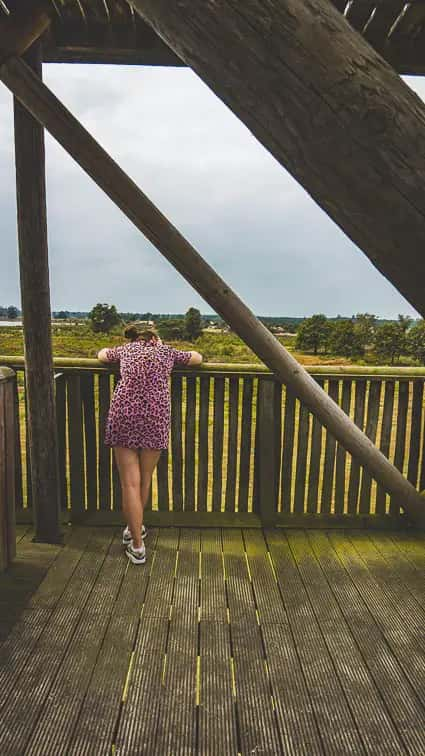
(102, 355)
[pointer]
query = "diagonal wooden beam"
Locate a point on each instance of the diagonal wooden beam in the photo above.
(326, 105)
(20, 29)
(65, 128)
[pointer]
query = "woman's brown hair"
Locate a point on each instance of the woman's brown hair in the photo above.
(134, 333)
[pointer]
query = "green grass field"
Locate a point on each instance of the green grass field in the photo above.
(80, 341)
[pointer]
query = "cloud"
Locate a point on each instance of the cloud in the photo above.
(246, 215)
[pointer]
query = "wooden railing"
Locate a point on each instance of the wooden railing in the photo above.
(8, 435)
(243, 449)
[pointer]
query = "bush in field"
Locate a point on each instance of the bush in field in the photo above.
(415, 341)
(103, 318)
(171, 329)
(313, 334)
(390, 342)
(12, 312)
(344, 339)
(192, 324)
(365, 327)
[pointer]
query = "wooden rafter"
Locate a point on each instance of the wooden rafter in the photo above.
(109, 31)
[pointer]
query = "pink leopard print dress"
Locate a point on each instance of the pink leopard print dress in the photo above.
(140, 413)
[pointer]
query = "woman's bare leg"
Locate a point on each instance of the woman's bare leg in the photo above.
(148, 461)
(129, 471)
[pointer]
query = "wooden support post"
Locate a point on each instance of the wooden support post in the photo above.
(44, 106)
(266, 453)
(35, 295)
(326, 105)
(8, 431)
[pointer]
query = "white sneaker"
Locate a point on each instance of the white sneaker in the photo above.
(126, 535)
(137, 556)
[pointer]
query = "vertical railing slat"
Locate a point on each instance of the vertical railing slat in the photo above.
(177, 442)
(18, 448)
(266, 504)
(87, 395)
(76, 445)
(203, 443)
(315, 462)
(232, 451)
(329, 463)
(415, 431)
(359, 408)
(60, 401)
(163, 487)
(218, 431)
(341, 454)
(301, 466)
(104, 451)
(373, 405)
(385, 443)
(287, 451)
(27, 454)
(189, 445)
(246, 441)
(400, 440)
(116, 485)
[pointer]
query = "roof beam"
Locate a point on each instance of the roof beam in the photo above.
(22, 27)
(328, 108)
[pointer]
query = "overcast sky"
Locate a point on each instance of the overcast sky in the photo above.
(242, 211)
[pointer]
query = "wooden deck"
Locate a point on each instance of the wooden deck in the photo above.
(227, 641)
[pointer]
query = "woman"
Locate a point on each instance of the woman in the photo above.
(138, 421)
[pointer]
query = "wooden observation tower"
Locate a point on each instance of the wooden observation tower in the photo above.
(316, 82)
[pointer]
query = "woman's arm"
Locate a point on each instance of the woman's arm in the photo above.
(109, 354)
(195, 358)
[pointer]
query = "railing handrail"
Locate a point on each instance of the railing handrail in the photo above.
(378, 371)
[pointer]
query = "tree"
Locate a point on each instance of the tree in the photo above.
(416, 341)
(313, 334)
(193, 323)
(172, 329)
(390, 341)
(344, 340)
(365, 328)
(405, 321)
(62, 315)
(103, 317)
(12, 312)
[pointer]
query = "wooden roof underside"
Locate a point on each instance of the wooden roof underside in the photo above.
(110, 31)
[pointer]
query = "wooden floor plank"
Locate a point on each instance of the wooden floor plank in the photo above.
(257, 725)
(95, 728)
(376, 730)
(26, 700)
(21, 530)
(335, 721)
(399, 697)
(390, 579)
(57, 719)
(177, 722)
(138, 722)
(23, 576)
(402, 640)
(413, 546)
(21, 641)
(217, 732)
(291, 699)
(213, 602)
(410, 574)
